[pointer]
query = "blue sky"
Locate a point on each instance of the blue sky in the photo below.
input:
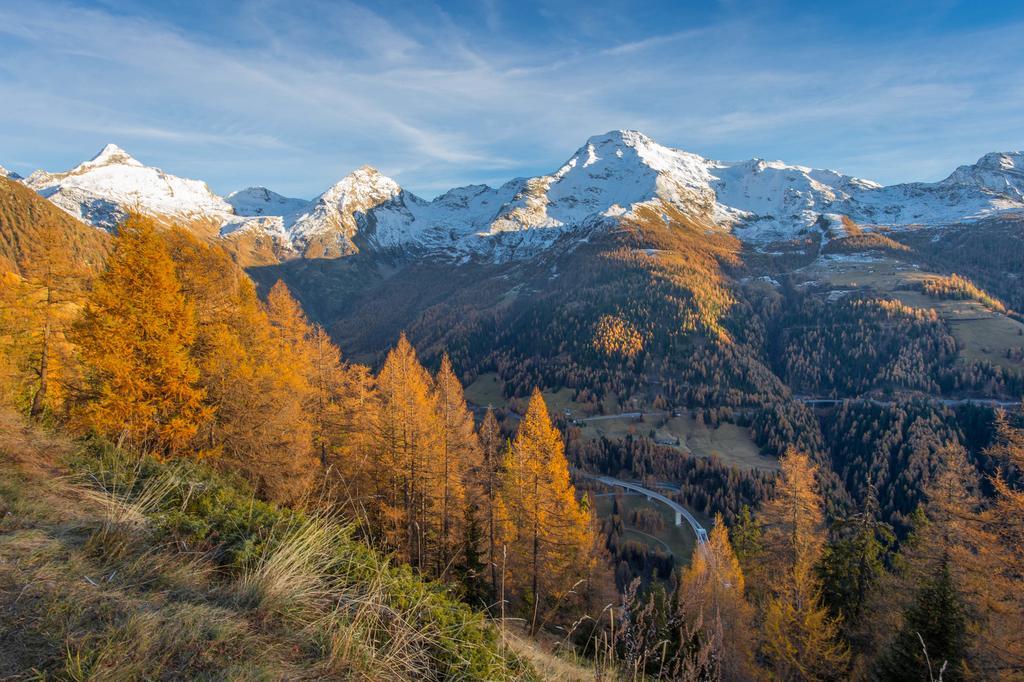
(444, 94)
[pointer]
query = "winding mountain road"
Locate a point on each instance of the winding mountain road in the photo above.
(948, 402)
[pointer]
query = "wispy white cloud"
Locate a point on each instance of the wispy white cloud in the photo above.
(649, 43)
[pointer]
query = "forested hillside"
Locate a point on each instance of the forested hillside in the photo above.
(819, 350)
(367, 520)
(168, 359)
(31, 225)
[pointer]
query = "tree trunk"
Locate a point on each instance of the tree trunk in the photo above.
(536, 555)
(443, 554)
(490, 544)
(44, 365)
(536, 597)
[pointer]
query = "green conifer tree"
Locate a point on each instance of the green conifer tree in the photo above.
(933, 639)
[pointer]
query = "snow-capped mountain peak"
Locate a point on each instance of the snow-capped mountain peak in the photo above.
(101, 189)
(1002, 161)
(330, 222)
(604, 178)
(111, 154)
(1000, 173)
(630, 151)
(361, 189)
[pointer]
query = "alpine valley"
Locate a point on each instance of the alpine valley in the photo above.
(767, 345)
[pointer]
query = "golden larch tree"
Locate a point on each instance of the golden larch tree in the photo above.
(135, 336)
(458, 451)
(335, 394)
(977, 542)
(549, 535)
(34, 355)
(1006, 605)
(712, 601)
(405, 437)
(486, 490)
(801, 639)
(255, 384)
(288, 318)
(327, 383)
(55, 280)
(344, 415)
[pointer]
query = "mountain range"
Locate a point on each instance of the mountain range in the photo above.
(608, 178)
(788, 305)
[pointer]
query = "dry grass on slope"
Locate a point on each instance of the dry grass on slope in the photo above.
(123, 568)
(84, 596)
(554, 662)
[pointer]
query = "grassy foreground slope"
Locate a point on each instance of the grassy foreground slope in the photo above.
(115, 567)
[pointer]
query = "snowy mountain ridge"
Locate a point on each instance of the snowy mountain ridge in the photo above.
(102, 189)
(607, 178)
(260, 201)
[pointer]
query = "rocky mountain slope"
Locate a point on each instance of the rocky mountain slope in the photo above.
(607, 178)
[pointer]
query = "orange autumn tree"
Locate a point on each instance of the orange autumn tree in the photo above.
(1006, 598)
(288, 319)
(549, 534)
(260, 379)
(135, 336)
(712, 602)
(458, 452)
(252, 375)
(328, 386)
(976, 543)
(342, 410)
(37, 362)
(55, 280)
(801, 638)
(405, 439)
(485, 491)
(336, 395)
